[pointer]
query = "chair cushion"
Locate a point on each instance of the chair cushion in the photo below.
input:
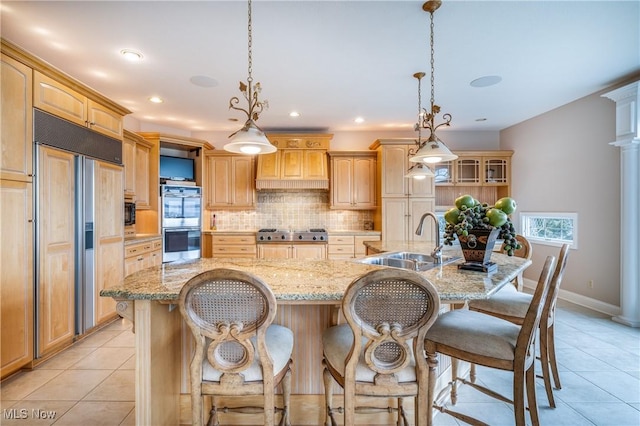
(507, 301)
(336, 343)
(476, 333)
(279, 341)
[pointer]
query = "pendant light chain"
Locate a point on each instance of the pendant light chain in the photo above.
(420, 113)
(432, 69)
(250, 40)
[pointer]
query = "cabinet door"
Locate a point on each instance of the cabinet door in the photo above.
(142, 162)
(56, 228)
(16, 275)
(309, 251)
(496, 170)
(418, 207)
(274, 251)
(219, 181)
(342, 182)
(128, 161)
(243, 182)
(103, 120)
(17, 121)
(109, 236)
(364, 182)
(53, 97)
(269, 165)
(395, 216)
(467, 171)
(394, 167)
(292, 162)
(315, 164)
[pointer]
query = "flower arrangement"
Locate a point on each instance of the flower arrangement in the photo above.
(469, 214)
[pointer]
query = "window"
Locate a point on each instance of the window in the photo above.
(553, 229)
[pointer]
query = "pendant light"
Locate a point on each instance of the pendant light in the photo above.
(418, 171)
(433, 150)
(250, 139)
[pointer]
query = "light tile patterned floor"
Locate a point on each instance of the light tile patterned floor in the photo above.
(92, 382)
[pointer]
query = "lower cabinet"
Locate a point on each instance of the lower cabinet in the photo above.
(226, 245)
(292, 251)
(401, 216)
(139, 256)
(349, 246)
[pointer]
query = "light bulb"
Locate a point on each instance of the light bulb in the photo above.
(419, 177)
(250, 149)
(430, 160)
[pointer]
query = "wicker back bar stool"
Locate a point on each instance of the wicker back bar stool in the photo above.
(388, 313)
(482, 339)
(512, 305)
(238, 352)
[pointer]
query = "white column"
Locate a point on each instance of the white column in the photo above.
(628, 140)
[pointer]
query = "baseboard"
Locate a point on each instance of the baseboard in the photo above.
(578, 299)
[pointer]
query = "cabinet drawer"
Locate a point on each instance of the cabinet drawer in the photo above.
(238, 249)
(341, 239)
(341, 249)
(233, 239)
(141, 248)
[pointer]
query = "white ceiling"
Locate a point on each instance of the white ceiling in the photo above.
(335, 60)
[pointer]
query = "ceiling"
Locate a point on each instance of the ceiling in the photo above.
(333, 61)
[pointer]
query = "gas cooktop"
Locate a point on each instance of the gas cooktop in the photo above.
(272, 235)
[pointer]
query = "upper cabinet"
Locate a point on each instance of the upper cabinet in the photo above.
(56, 98)
(486, 175)
(17, 121)
(299, 163)
(353, 180)
(393, 158)
(137, 158)
(229, 181)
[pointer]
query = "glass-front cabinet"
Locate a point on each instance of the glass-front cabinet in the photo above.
(486, 175)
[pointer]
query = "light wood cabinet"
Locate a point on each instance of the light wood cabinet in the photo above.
(403, 200)
(109, 236)
(485, 175)
(142, 174)
(17, 121)
(229, 246)
(142, 255)
(16, 275)
(345, 246)
(56, 98)
(299, 158)
(229, 181)
(353, 180)
(292, 251)
(128, 161)
(56, 231)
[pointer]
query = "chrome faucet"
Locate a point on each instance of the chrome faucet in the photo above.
(437, 252)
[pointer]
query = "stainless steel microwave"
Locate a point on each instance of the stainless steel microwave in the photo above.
(129, 213)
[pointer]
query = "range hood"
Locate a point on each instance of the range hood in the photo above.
(299, 163)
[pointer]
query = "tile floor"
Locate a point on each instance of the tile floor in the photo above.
(92, 382)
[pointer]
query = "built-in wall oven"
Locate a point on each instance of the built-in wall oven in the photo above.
(181, 227)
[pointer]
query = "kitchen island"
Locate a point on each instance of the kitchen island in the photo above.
(307, 291)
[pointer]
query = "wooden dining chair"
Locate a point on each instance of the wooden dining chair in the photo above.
(238, 351)
(482, 339)
(512, 305)
(388, 313)
(526, 252)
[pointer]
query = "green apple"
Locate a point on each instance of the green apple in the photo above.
(506, 204)
(465, 200)
(452, 216)
(496, 217)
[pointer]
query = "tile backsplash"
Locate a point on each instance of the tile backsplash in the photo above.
(290, 210)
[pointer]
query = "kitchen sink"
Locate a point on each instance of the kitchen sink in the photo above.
(406, 260)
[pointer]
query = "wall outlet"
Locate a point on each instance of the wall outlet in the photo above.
(590, 284)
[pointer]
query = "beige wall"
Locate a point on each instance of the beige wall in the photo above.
(563, 163)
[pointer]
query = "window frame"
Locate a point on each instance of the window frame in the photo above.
(525, 217)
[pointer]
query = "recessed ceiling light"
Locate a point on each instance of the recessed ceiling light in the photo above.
(294, 114)
(131, 55)
(481, 119)
(487, 80)
(359, 120)
(203, 81)
(156, 100)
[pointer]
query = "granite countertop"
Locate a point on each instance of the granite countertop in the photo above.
(322, 281)
(357, 232)
(237, 232)
(141, 238)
